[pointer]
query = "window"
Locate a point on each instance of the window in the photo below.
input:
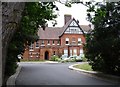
(66, 52)
(31, 47)
(58, 42)
(79, 41)
(31, 54)
(53, 52)
(67, 41)
(37, 55)
(53, 42)
(42, 42)
(81, 53)
(70, 52)
(48, 42)
(73, 29)
(75, 52)
(37, 44)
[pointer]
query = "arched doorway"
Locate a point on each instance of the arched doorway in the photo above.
(46, 55)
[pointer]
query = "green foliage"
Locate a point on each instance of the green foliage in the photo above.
(34, 15)
(103, 43)
(55, 58)
(84, 59)
(69, 60)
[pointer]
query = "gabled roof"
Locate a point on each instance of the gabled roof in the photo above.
(56, 32)
(67, 25)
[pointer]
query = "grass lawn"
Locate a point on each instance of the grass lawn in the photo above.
(85, 66)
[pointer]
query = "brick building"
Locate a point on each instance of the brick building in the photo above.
(67, 40)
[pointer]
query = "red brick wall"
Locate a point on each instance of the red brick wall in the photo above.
(70, 36)
(59, 49)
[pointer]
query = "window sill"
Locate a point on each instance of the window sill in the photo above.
(31, 50)
(79, 44)
(42, 45)
(36, 47)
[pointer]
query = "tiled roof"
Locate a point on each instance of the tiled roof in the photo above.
(55, 32)
(85, 28)
(49, 33)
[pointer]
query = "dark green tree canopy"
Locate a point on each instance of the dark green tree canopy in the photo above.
(35, 14)
(102, 45)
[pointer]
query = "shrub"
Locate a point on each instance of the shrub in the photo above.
(72, 60)
(84, 59)
(55, 58)
(69, 60)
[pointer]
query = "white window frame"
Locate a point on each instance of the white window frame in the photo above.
(37, 43)
(43, 43)
(81, 52)
(31, 47)
(79, 40)
(37, 55)
(66, 52)
(58, 42)
(54, 53)
(48, 43)
(53, 43)
(75, 52)
(67, 39)
(70, 52)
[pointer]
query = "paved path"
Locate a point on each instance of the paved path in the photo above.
(54, 74)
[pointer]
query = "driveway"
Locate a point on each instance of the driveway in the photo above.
(54, 74)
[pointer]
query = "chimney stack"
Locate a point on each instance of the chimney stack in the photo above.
(67, 17)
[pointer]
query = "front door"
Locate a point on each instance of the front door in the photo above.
(46, 55)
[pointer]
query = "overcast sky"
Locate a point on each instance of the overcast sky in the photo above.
(78, 11)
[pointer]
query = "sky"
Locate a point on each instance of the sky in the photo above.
(78, 11)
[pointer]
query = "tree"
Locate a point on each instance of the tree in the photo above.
(35, 14)
(103, 43)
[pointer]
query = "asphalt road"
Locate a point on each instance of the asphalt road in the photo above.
(54, 74)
